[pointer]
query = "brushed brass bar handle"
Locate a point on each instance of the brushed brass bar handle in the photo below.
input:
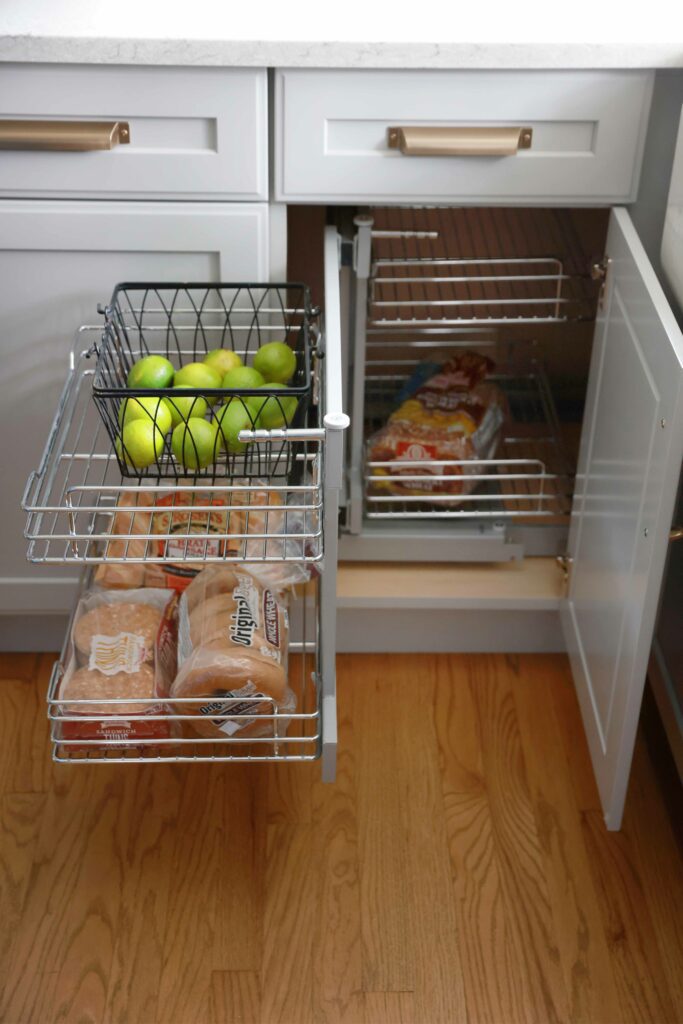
(676, 533)
(63, 136)
(427, 141)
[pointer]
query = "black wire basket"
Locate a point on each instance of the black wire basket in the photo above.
(182, 323)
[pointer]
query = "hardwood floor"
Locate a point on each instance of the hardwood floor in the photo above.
(458, 871)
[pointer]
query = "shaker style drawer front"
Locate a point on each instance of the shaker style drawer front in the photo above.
(81, 131)
(459, 136)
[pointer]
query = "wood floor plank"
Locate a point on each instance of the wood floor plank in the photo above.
(24, 768)
(235, 997)
(651, 836)
(337, 952)
(20, 817)
(439, 993)
(494, 975)
(90, 925)
(39, 941)
(632, 940)
(391, 1008)
(517, 843)
(388, 953)
(583, 949)
(194, 861)
(290, 793)
(151, 810)
(289, 914)
(241, 883)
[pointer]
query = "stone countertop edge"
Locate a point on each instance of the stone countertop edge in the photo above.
(292, 54)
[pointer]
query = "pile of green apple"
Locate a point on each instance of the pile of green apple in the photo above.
(196, 442)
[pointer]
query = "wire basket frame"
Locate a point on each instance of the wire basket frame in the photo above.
(290, 735)
(80, 509)
(529, 478)
(194, 431)
(441, 267)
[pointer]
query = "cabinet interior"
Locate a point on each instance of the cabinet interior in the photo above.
(520, 285)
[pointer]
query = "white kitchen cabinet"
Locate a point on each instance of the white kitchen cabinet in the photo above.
(332, 135)
(194, 133)
(589, 131)
(57, 262)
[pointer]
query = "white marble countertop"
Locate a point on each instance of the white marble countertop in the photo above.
(354, 33)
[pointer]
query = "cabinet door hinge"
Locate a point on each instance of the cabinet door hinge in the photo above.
(346, 248)
(565, 564)
(600, 272)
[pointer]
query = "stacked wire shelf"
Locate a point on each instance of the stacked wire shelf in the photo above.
(263, 508)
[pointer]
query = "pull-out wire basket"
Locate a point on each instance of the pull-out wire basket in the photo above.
(529, 478)
(81, 510)
(182, 323)
(288, 735)
(455, 268)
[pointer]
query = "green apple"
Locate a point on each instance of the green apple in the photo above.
(276, 362)
(232, 418)
(222, 360)
(242, 377)
(150, 372)
(146, 407)
(196, 443)
(255, 403)
(140, 443)
(200, 376)
(183, 407)
(278, 411)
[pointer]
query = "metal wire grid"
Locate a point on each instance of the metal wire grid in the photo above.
(75, 500)
(182, 323)
(425, 272)
(295, 736)
(530, 479)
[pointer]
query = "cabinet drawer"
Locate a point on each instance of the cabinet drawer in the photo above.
(198, 132)
(332, 135)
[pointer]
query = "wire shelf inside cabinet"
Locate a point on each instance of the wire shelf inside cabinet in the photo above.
(529, 478)
(470, 267)
(289, 735)
(80, 509)
(183, 322)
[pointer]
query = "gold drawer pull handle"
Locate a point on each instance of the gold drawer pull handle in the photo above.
(425, 141)
(676, 533)
(63, 136)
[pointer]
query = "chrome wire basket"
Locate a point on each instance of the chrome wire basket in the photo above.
(182, 323)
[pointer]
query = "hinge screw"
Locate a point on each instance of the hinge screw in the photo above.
(646, 532)
(662, 424)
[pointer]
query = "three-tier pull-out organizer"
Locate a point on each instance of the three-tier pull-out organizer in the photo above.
(72, 500)
(431, 282)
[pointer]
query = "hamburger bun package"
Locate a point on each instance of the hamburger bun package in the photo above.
(232, 652)
(122, 656)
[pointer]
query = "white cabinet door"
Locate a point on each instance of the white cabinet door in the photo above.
(629, 464)
(58, 260)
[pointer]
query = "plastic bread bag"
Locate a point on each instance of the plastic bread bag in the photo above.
(276, 537)
(233, 653)
(126, 575)
(186, 537)
(455, 415)
(122, 645)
